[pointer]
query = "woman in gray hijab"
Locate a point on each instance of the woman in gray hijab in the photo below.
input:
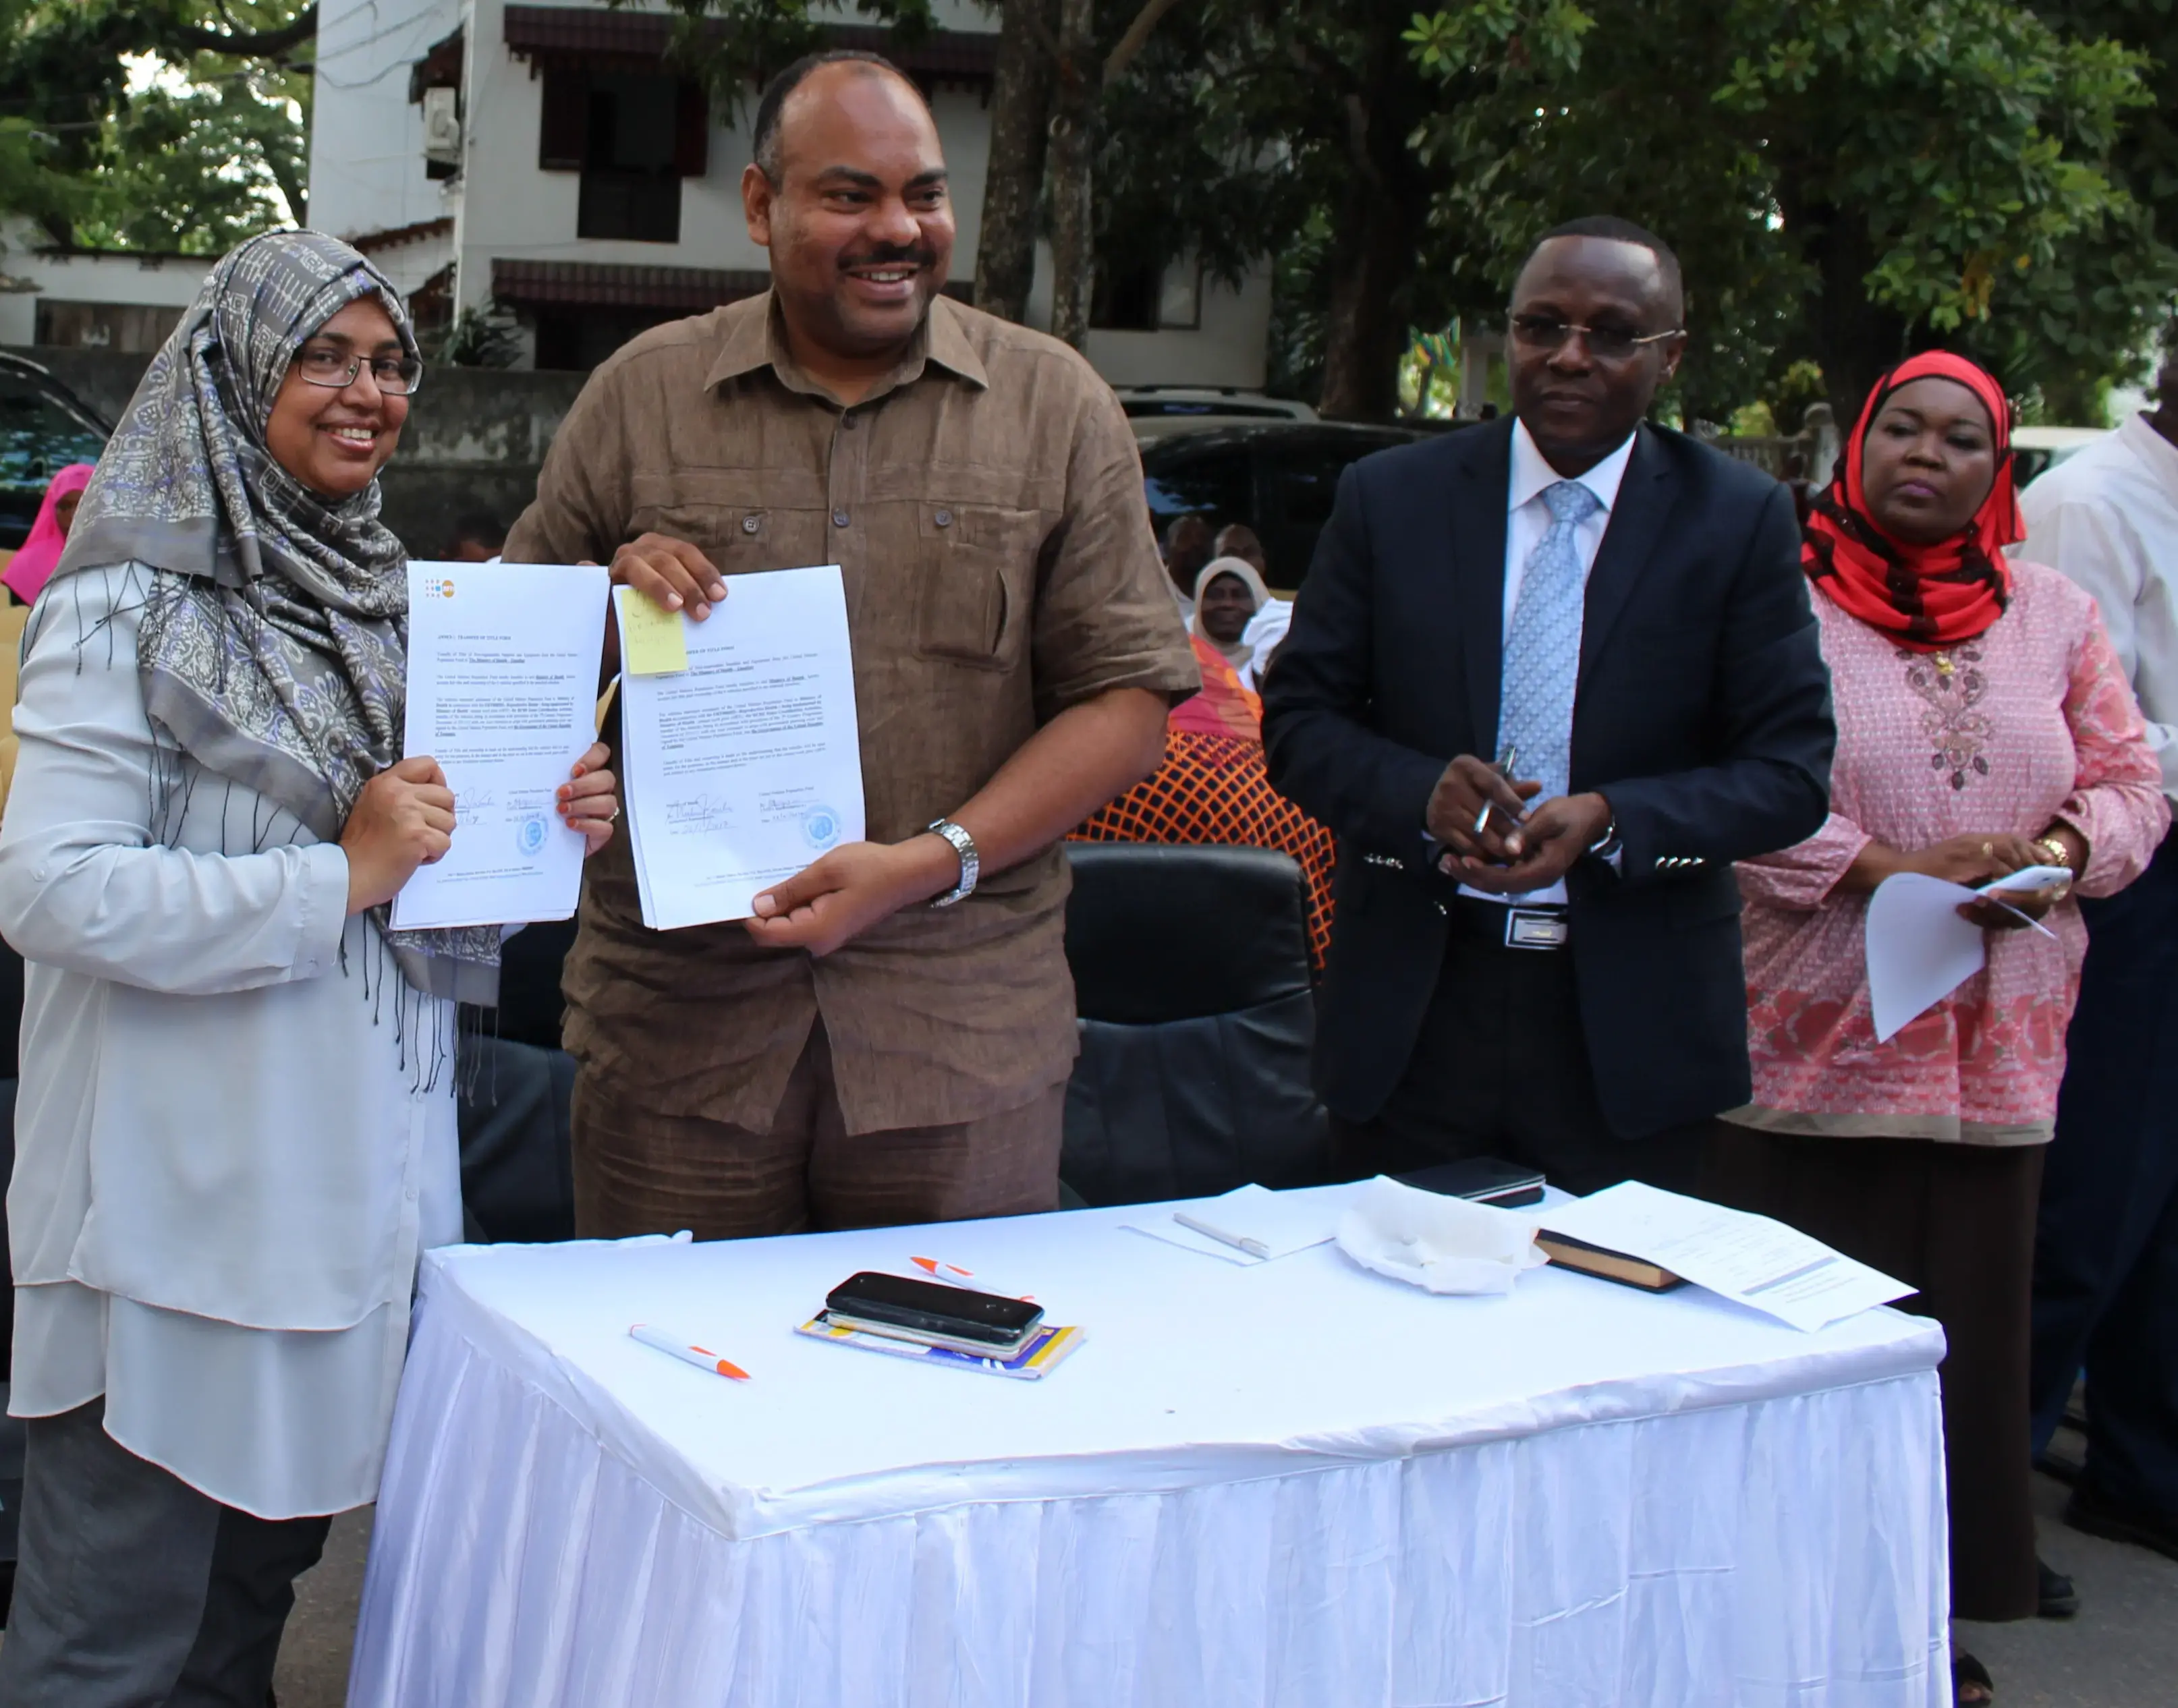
(235, 1130)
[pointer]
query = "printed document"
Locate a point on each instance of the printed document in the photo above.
(1777, 1270)
(747, 765)
(502, 692)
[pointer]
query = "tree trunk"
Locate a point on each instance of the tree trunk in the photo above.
(1020, 126)
(1855, 339)
(1073, 228)
(1377, 231)
(1364, 329)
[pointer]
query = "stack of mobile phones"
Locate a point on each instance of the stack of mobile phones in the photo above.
(924, 1313)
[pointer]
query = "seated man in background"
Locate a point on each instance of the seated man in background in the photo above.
(1186, 550)
(478, 538)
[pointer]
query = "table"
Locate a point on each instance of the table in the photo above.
(1293, 1486)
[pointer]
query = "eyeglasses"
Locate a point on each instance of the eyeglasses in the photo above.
(396, 376)
(1607, 343)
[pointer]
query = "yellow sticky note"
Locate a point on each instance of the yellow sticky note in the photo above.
(651, 641)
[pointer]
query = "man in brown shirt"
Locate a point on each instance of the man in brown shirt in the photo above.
(857, 1055)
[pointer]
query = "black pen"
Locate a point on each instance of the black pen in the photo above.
(1506, 761)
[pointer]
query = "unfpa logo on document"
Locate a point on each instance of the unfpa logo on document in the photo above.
(438, 589)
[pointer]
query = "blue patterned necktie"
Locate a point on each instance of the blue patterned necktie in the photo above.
(1542, 654)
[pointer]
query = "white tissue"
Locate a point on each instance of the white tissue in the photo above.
(1446, 1245)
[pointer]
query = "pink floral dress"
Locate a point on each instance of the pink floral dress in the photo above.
(2033, 723)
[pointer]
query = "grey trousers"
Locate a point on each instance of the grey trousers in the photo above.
(135, 1591)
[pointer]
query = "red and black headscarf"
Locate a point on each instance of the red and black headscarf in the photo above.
(1925, 598)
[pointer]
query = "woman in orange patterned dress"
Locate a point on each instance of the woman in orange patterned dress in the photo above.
(1212, 788)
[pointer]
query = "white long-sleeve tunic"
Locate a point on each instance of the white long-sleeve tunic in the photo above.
(235, 1130)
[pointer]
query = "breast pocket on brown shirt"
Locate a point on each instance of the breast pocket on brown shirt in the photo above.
(975, 570)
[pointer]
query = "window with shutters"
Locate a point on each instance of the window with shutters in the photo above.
(633, 136)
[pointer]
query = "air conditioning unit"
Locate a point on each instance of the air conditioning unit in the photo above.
(442, 127)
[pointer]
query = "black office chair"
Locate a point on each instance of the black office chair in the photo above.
(1192, 978)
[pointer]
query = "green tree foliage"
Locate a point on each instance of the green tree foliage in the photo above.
(210, 149)
(1846, 180)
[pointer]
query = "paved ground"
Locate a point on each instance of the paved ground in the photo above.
(2121, 1652)
(313, 1658)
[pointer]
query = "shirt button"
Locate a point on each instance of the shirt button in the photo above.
(839, 518)
(749, 524)
(943, 519)
(847, 420)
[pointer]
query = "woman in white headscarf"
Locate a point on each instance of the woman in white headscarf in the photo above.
(235, 1130)
(1227, 592)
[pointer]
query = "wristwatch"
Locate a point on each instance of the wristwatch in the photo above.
(1606, 846)
(970, 867)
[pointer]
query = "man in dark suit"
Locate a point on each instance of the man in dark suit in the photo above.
(1538, 958)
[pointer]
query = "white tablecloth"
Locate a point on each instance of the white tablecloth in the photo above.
(1293, 1486)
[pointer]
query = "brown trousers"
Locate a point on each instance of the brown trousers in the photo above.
(1956, 1221)
(640, 1173)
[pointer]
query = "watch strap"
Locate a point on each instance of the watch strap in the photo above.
(970, 866)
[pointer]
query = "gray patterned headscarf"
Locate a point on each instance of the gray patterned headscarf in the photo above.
(273, 643)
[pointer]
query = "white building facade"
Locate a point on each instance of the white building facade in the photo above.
(545, 160)
(91, 299)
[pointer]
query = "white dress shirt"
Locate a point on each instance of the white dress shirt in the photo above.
(2107, 518)
(1528, 519)
(235, 1129)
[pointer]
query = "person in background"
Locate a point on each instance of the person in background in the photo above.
(1265, 634)
(1985, 726)
(1547, 679)
(1186, 550)
(2106, 1248)
(236, 1132)
(1227, 594)
(1212, 788)
(889, 1040)
(478, 538)
(28, 570)
(1238, 540)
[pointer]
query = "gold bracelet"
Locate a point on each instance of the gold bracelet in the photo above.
(2060, 855)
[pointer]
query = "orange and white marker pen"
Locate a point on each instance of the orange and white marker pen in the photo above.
(689, 1353)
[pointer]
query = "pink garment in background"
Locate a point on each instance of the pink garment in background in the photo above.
(2036, 724)
(32, 565)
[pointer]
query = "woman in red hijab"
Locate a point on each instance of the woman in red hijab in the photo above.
(1985, 726)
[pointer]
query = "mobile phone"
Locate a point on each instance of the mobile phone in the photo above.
(958, 1313)
(952, 1343)
(1485, 1180)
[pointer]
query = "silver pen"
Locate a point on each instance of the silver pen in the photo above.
(1506, 761)
(1240, 1243)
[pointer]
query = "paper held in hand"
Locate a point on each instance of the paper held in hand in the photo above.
(747, 766)
(1777, 1270)
(1919, 949)
(502, 692)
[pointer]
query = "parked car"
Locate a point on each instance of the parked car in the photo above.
(2038, 449)
(44, 427)
(1155, 411)
(1279, 478)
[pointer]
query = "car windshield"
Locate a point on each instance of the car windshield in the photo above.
(1140, 408)
(38, 439)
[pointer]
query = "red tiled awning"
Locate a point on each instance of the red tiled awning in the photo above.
(599, 285)
(589, 35)
(371, 243)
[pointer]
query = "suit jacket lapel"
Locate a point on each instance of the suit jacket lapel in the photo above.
(1476, 544)
(1645, 497)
